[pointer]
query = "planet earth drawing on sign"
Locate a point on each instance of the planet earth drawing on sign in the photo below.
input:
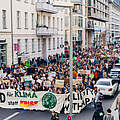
(49, 100)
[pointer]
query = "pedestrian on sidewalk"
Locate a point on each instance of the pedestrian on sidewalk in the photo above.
(108, 116)
(118, 105)
(99, 113)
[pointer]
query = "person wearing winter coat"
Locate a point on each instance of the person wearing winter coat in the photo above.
(99, 113)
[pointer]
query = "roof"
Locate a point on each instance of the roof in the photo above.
(116, 69)
(117, 64)
(105, 79)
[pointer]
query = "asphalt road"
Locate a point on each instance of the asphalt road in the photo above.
(86, 114)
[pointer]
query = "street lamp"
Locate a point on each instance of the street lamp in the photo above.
(70, 6)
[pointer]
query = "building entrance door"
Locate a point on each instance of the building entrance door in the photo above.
(44, 47)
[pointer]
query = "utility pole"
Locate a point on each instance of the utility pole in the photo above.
(71, 64)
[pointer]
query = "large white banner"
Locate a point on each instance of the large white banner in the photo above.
(31, 100)
(45, 100)
(80, 100)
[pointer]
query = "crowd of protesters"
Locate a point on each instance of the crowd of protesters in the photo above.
(98, 62)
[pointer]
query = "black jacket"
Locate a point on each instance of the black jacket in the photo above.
(98, 114)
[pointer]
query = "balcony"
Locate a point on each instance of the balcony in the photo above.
(97, 17)
(45, 31)
(45, 7)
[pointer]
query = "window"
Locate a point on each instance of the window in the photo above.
(61, 41)
(26, 1)
(26, 20)
(18, 19)
(4, 18)
(32, 1)
(19, 46)
(57, 43)
(26, 45)
(38, 45)
(49, 22)
(61, 24)
(54, 43)
(33, 45)
(58, 24)
(32, 20)
(80, 21)
(49, 44)
(53, 22)
(44, 20)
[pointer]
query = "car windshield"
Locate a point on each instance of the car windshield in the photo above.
(115, 72)
(105, 83)
(117, 66)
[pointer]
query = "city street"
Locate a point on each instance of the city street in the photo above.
(86, 114)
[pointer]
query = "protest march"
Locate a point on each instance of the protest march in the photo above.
(43, 83)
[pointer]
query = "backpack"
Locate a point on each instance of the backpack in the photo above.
(101, 96)
(100, 115)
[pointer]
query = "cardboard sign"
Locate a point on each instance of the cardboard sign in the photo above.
(28, 78)
(84, 72)
(47, 83)
(2, 75)
(77, 81)
(60, 83)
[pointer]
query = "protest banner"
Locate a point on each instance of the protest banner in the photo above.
(59, 83)
(79, 100)
(31, 100)
(43, 100)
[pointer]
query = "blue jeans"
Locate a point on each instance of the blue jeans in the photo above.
(119, 113)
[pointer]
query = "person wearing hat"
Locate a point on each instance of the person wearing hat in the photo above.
(108, 116)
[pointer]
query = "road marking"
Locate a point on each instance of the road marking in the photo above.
(11, 116)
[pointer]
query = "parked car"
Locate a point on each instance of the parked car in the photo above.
(107, 86)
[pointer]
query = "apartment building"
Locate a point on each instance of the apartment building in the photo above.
(114, 21)
(97, 22)
(5, 32)
(37, 30)
(78, 26)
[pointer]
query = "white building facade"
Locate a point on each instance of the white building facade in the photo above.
(5, 32)
(114, 21)
(35, 32)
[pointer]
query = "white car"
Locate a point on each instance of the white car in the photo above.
(107, 86)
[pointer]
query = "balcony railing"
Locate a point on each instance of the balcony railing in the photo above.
(45, 31)
(45, 7)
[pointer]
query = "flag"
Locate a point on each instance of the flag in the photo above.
(28, 63)
(62, 57)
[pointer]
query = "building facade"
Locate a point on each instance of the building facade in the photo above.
(78, 26)
(5, 33)
(114, 21)
(97, 22)
(37, 29)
